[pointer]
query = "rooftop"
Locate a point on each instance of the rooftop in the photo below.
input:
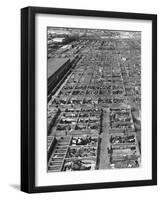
(54, 64)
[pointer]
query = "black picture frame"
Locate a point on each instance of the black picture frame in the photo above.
(28, 91)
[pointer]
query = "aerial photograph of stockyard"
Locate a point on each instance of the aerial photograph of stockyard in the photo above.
(94, 99)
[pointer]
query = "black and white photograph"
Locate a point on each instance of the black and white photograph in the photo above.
(93, 99)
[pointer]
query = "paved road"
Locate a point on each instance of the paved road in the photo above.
(104, 158)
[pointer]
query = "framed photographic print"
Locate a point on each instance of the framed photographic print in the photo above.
(88, 99)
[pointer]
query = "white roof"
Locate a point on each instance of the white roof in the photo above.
(66, 46)
(58, 39)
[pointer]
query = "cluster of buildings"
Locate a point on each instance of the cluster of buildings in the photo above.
(94, 103)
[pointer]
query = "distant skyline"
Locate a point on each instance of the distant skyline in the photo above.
(102, 32)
